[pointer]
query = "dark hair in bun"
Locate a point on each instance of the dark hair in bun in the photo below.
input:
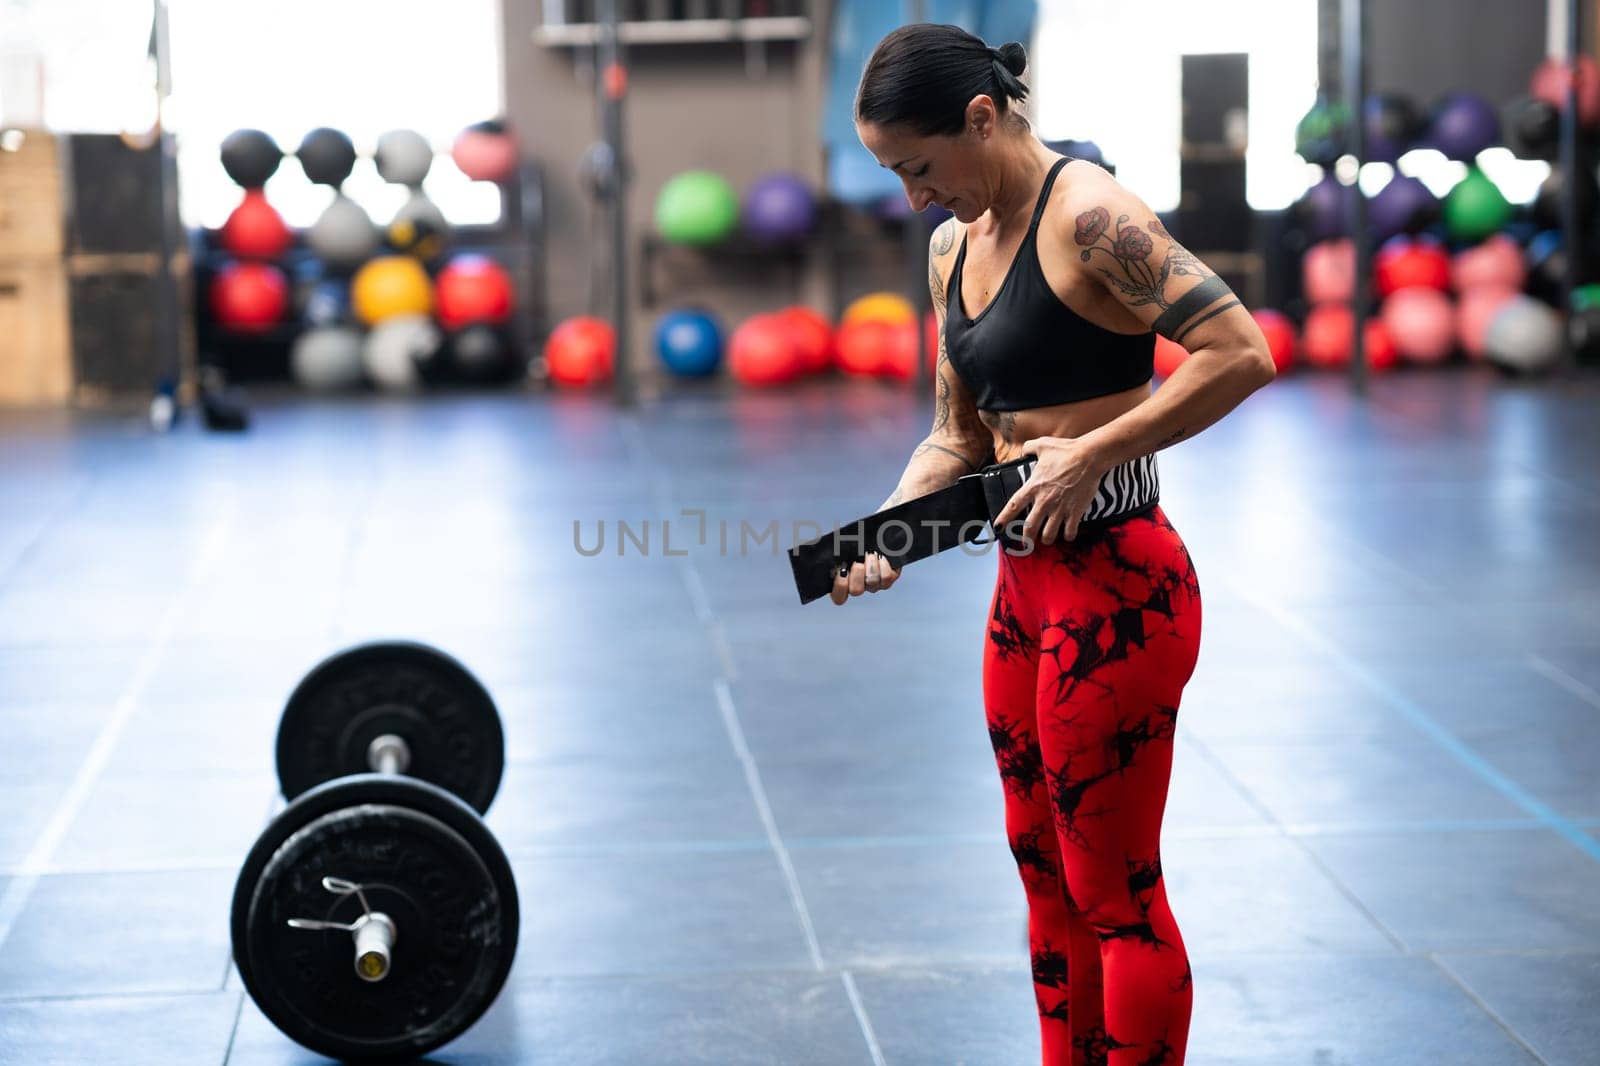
(924, 75)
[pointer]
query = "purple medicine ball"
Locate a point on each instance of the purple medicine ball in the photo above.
(1324, 211)
(1463, 125)
(1403, 206)
(779, 207)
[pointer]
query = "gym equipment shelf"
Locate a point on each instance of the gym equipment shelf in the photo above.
(675, 31)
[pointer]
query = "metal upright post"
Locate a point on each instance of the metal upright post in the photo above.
(1571, 228)
(1353, 59)
(916, 240)
(613, 88)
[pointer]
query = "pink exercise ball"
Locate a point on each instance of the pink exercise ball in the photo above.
(1329, 271)
(1494, 264)
(1550, 85)
(485, 152)
(1477, 309)
(1422, 323)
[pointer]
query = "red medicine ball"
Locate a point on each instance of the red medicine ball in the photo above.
(249, 297)
(581, 351)
(1279, 332)
(811, 336)
(762, 352)
(1403, 264)
(472, 290)
(255, 230)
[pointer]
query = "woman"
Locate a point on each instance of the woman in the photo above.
(1050, 284)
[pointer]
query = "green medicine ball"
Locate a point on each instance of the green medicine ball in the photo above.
(1475, 208)
(1585, 298)
(696, 207)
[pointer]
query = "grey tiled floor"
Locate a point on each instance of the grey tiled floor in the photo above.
(747, 832)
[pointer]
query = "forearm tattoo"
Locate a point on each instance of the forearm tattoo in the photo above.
(1128, 249)
(928, 446)
(941, 402)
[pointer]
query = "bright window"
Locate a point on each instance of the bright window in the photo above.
(1110, 72)
(361, 66)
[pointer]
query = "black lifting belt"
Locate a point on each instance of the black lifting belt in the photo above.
(913, 530)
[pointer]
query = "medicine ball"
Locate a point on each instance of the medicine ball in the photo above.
(696, 207)
(581, 352)
(760, 352)
(327, 358)
(396, 350)
(472, 289)
(249, 297)
(255, 230)
(343, 235)
(485, 151)
(1525, 337)
(403, 157)
(419, 228)
(327, 156)
(250, 157)
(388, 286)
(689, 342)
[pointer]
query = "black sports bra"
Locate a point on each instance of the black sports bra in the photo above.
(1027, 348)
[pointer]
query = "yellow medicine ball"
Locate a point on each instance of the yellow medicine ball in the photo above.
(887, 307)
(388, 286)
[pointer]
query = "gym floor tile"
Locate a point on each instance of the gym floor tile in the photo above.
(1404, 776)
(46, 744)
(1201, 797)
(1471, 891)
(1372, 1010)
(1272, 701)
(29, 808)
(173, 821)
(34, 614)
(914, 905)
(977, 1017)
(629, 722)
(1548, 1000)
(747, 1019)
(1578, 670)
(1558, 765)
(584, 801)
(911, 718)
(1490, 701)
(160, 741)
(119, 934)
(644, 913)
(885, 794)
(1261, 895)
(131, 1030)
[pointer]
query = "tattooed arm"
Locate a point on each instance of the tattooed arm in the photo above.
(959, 443)
(1115, 242)
(1121, 245)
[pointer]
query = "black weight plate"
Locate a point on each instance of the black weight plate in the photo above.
(413, 691)
(430, 863)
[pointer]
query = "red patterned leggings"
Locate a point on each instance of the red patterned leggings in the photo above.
(1089, 646)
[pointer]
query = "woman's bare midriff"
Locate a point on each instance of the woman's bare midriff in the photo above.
(1014, 428)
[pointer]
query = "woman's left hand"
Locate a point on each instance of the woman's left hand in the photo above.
(1058, 492)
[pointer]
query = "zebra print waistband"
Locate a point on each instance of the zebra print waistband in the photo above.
(1128, 488)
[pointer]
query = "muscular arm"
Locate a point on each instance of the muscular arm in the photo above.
(1120, 243)
(959, 443)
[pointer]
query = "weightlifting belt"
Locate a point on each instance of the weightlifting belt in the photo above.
(962, 514)
(916, 529)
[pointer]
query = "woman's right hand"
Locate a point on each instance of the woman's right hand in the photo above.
(872, 575)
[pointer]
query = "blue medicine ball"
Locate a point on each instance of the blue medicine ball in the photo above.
(689, 342)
